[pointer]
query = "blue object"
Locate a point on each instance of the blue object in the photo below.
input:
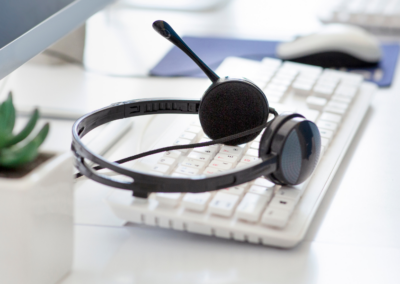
(214, 50)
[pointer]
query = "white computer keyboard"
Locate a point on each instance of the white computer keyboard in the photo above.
(382, 15)
(259, 211)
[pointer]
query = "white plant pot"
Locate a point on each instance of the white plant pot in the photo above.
(36, 224)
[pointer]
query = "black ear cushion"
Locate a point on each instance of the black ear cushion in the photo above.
(231, 107)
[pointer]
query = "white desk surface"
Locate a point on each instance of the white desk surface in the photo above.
(354, 238)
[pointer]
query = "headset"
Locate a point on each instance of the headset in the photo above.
(231, 111)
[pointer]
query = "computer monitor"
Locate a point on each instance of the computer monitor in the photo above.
(28, 27)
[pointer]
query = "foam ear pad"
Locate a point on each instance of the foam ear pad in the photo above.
(231, 107)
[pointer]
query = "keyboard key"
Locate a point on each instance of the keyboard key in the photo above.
(188, 135)
(346, 91)
(239, 165)
(335, 110)
(265, 191)
(182, 141)
(282, 203)
(275, 217)
(210, 171)
(193, 163)
(270, 63)
(273, 93)
(194, 129)
(252, 153)
(196, 201)
(263, 182)
(302, 88)
(249, 159)
(330, 81)
(210, 150)
(170, 198)
(331, 117)
(274, 99)
(289, 193)
(282, 81)
(322, 124)
(259, 83)
(196, 122)
(342, 99)
(186, 170)
(231, 149)
(303, 68)
(173, 154)
(275, 87)
(251, 207)
(310, 114)
(325, 142)
(307, 78)
(338, 104)
(245, 185)
(178, 175)
(236, 190)
(221, 165)
(328, 134)
(200, 156)
(161, 168)
(206, 139)
(167, 161)
(231, 158)
(287, 72)
(255, 145)
(280, 108)
(223, 204)
(323, 91)
(316, 103)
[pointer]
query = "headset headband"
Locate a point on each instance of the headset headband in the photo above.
(144, 183)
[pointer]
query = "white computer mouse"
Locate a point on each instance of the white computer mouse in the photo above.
(335, 45)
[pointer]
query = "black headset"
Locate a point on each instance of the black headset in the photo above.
(231, 111)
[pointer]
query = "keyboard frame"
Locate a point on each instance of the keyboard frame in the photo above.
(145, 212)
(326, 15)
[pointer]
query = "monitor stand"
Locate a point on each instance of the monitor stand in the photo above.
(49, 82)
(68, 49)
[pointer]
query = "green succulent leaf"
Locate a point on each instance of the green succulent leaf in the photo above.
(16, 156)
(7, 120)
(24, 132)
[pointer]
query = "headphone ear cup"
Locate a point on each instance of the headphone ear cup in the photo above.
(296, 142)
(271, 130)
(231, 106)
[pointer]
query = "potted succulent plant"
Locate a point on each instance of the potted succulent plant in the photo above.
(36, 213)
